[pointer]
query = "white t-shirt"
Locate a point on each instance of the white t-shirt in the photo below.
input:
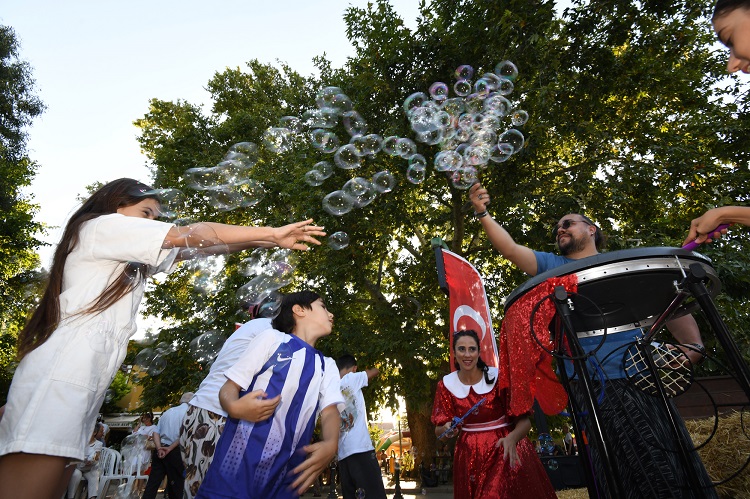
(207, 396)
(354, 437)
(170, 423)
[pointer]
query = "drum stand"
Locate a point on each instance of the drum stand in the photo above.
(692, 285)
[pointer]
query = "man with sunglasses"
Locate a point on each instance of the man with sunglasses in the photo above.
(638, 427)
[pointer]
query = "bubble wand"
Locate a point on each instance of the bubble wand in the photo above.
(692, 244)
(458, 421)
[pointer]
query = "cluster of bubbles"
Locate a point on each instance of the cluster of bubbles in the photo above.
(270, 270)
(228, 185)
(467, 124)
(469, 127)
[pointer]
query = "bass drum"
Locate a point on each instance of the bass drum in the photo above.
(626, 289)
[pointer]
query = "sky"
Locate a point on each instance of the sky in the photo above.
(97, 64)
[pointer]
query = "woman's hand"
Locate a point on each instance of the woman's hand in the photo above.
(442, 429)
(510, 449)
(294, 236)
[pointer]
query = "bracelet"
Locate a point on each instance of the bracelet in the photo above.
(481, 215)
(697, 347)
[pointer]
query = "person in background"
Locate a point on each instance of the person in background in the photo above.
(493, 456)
(103, 432)
(358, 464)
(205, 418)
(88, 468)
(731, 22)
(567, 440)
(165, 458)
(269, 456)
(77, 337)
(147, 428)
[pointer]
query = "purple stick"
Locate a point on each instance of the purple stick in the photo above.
(692, 244)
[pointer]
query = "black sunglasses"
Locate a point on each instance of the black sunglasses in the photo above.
(566, 225)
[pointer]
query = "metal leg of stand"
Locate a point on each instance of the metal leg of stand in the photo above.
(583, 454)
(596, 435)
(700, 293)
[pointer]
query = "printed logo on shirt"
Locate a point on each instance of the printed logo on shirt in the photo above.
(349, 414)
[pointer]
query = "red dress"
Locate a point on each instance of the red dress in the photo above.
(479, 469)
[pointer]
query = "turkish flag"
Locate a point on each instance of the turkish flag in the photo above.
(469, 308)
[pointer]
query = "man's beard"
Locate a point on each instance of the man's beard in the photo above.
(571, 245)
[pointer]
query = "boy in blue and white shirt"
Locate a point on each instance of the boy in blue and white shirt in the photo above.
(264, 453)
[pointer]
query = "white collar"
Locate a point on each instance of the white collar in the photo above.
(454, 385)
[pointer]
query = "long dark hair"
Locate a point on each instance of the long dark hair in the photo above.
(480, 363)
(724, 7)
(116, 194)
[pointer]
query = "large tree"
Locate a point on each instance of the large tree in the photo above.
(632, 122)
(19, 277)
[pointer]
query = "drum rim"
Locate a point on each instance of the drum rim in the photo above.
(613, 259)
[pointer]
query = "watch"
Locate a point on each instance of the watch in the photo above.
(697, 347)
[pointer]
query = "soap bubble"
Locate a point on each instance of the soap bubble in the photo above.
(314, 178)
(360, 190)
(338, 240)
(415, 174)
(519, 117)
(347, 157)
(464, 177)
(206, 346)
(390, 145)
(325, 168)
(405, 147)
(414, 101)
(338, 203)
(354, 123)
(439, 91)
(278, 140)
(383, 181)
(512, 137)
(462, 87)
(464, 72)
(507, 70)
(324, 140)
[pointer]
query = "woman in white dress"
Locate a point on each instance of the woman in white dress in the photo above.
(147, 428)
(88, 468)
(77, 338)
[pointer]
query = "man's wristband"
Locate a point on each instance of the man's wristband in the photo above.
(481, 215)
(697, 347)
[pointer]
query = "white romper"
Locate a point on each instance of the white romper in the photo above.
(58, 387)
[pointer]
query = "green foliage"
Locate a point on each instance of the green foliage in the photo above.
(375, 434)
(19, 276)
(119, 387)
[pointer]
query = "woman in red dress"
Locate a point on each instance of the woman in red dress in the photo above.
(493, 457)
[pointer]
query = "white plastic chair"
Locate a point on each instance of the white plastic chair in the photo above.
(111, 475)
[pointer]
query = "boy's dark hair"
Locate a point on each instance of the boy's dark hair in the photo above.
(285, 321)
(346, 361)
